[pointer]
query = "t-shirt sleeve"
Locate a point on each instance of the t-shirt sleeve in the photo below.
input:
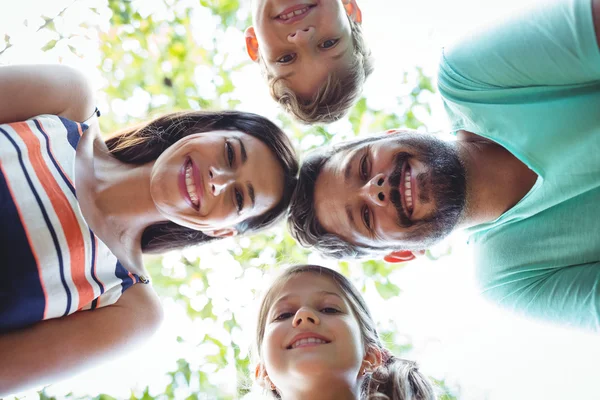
(552, 44)
(569, 296)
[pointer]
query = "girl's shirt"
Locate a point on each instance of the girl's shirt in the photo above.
(52, 263)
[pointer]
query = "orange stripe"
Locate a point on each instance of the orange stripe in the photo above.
(35, 256)
(64, 212)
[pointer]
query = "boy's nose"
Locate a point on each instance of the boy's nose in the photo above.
(302, 35)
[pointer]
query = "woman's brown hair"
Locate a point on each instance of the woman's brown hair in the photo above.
(146, 142)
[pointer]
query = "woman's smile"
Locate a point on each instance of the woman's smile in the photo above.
(190, 184)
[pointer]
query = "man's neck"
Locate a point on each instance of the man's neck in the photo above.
(496, 179)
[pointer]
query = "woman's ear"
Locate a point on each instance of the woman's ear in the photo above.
(353, 10)
(251, 44)
(222, 233)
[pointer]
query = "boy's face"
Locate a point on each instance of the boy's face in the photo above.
(302, 41)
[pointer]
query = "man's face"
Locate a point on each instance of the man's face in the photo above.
(301, 41)
(402, 191)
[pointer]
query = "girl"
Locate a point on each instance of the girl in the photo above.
(317, 340)
(77, 213)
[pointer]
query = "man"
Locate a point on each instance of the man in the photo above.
(523, 176)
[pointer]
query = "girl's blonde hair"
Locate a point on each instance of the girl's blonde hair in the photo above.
(394, 379)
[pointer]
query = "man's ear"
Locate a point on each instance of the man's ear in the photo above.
(353, 10)
(399, 256)
(251, 44)
(223, 232)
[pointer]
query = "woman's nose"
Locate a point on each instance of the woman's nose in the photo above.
(219, 180)
(302, 36)
(377, 191)
(305, 316)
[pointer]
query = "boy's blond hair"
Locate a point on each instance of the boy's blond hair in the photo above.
(336, 96)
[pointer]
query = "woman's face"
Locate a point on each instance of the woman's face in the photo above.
(214, 180)
(311, 337)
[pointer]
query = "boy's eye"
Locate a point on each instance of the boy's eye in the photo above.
(330, 310)
(363, 169)
(329, 43)
(288, 58)
(366, 217)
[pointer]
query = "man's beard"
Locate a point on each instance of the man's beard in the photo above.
(444, 185)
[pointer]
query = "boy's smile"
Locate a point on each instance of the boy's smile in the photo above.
(300, 41)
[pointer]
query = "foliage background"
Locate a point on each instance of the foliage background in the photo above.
(147, 57)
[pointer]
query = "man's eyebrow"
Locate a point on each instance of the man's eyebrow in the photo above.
(348, 169)
(351, 217)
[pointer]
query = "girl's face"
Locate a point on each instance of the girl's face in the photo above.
(214, 180)
(311, 337)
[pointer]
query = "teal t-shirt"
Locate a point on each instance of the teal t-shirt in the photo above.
(532, 84)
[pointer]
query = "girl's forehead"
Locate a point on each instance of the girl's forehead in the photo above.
(306, 285)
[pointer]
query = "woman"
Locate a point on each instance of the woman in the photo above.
(317, 339)
(78, 212)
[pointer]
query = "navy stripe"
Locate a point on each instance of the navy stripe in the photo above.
(72, 131)
(123, 275)
(56, 166)
(93, 270)
(48, 223)
(94, 304)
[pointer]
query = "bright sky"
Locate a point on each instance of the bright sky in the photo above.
(488, 353)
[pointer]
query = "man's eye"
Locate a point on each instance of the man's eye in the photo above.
(239, 200)
(363, 169)
(329, 43)
(288, 58)
(330, 310)
(366, 217)
(230, 153)
(283, 316)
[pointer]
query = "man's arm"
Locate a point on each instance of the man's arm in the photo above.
(54, 349)
(30, 90)
(552, 44)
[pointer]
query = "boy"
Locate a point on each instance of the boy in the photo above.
(312, 54)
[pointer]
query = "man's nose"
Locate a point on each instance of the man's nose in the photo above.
(219, 180)
(377, 190)
(302, 36)
(305, 316)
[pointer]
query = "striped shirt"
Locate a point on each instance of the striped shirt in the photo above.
(52, 264)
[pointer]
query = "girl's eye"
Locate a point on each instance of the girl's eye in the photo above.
(366, 217)
(363, 170)
(283, 316)
(329, 310)
(239, 200)
(230, 153)
(288, 58)
(329, 43)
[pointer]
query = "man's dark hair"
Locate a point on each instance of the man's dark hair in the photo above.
(303, 223)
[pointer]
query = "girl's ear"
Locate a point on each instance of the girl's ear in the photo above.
(251, 44)
(223, 232)
(353, 10)
(262, 377)
(372, 359)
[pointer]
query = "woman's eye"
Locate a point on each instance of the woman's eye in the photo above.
(329, 43)
(283, 316)
(239, 200)
(364, 173)
(367, 218)
(230, 153)
(288, 58)
(330, 310)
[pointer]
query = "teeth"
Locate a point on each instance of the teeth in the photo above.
(293, 13)
(306, 341)
(190, 185)
(408, 192)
